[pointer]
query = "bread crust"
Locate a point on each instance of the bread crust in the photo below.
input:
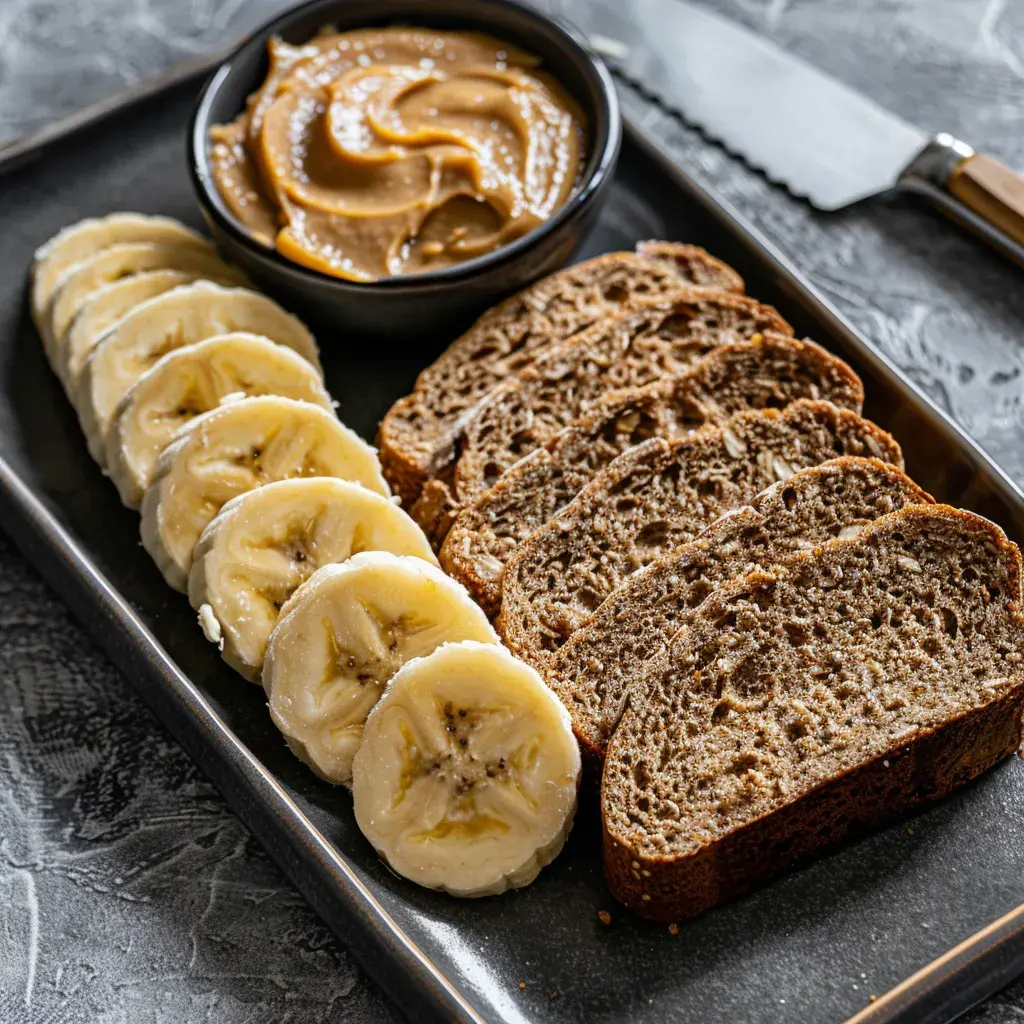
(852, 805)
(417, 434)
(862, 796)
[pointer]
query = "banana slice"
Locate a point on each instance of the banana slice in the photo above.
(467, 775)
(263, 544)
(343, 634)
(124, 260)
(177, 318)
(191, 381)
(101, 311)
(79, 241)
(234, 449)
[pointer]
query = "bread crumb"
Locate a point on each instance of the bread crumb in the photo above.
(604, 917)
(910, 831)
(673, 928)
(872, 998)
(522, 984)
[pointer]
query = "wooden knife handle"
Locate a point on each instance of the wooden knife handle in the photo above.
(976, 191)
(992, 191)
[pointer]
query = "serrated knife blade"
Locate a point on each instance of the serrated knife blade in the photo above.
(794, 122)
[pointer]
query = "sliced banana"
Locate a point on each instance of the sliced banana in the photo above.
(79, 241)
(177, 318)
(234, 449)
(124, 260)
(343, 634)
(191, 381)
(467, 775)
(102, 310)
(264, 543)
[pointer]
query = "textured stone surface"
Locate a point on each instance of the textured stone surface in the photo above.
(127, 891)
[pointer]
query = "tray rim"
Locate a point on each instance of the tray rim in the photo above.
(939, 992)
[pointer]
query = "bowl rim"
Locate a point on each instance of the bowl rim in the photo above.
(599, 165)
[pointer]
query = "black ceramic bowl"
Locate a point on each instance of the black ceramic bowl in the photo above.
(440, 302)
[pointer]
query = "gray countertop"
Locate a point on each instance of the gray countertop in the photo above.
(128, 892)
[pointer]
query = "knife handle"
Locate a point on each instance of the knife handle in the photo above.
(992, 191)
(976, 191)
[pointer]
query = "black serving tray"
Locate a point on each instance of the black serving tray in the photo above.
(811, 947)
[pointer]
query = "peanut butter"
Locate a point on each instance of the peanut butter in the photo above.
(388, 151)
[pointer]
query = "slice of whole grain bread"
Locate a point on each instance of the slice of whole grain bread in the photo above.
(649, 343)
(653, 499)
(417, 436)
(804, 706)
(595, 670)
(768, 373)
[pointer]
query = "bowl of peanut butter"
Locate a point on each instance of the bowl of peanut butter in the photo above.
(395, 167)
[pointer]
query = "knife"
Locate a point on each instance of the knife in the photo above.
(798, 125)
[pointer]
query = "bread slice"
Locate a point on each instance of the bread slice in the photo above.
(417, 435)
(653, 499)
(804, 706)
(595, 670)
(768, 373)
(648, 342)
(642, 345)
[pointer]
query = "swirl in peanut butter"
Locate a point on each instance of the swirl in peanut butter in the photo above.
(387, 151)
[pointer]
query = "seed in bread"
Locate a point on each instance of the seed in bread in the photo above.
(768, 373)
(807, 705)
(418, 434)
(596, 669)
(655, 498)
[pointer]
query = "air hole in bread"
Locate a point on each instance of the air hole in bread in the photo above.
(796, 633)
(653, 535)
